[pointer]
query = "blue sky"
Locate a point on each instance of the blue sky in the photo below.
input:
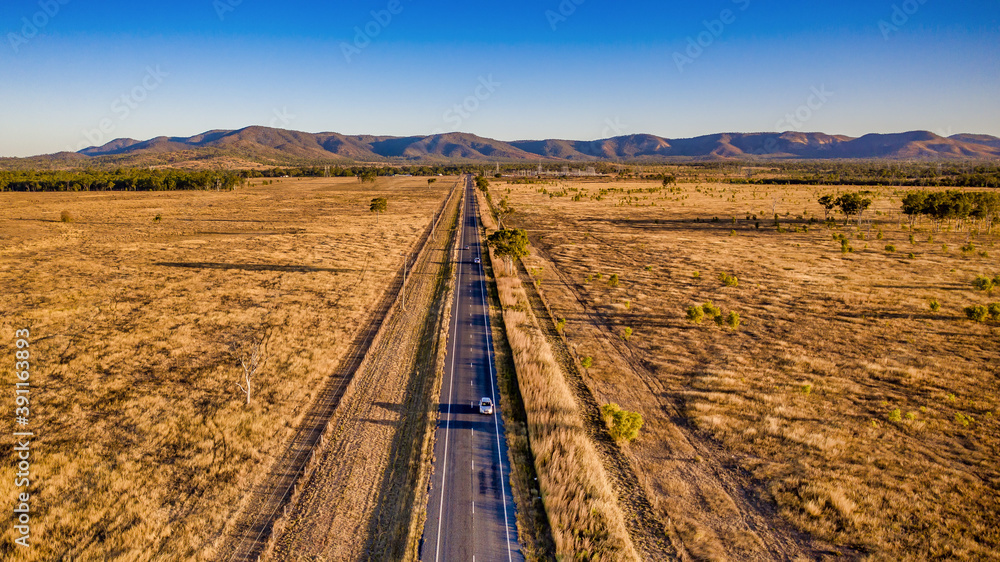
(79, 72)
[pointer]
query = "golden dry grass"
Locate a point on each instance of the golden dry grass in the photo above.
(145, 447)
(800, 397)
(585, 519)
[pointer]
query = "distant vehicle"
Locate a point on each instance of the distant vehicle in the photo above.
(486, 406)
(466, 247)
(475, 260)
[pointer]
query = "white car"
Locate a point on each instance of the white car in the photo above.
(486, 406)
(475, 260)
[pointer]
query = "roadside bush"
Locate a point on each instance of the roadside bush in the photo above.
(627, 333)
(845, 246)
(968, 248)
(613, 281)
(695, 314)
(622, 424)
(977, 313)
(696, 275)
(935, 305)
(890, 248)
(586, 362)
(994, 309)
(560, 325)
(896, 416)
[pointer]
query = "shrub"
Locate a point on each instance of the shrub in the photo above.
(65, 216)
(627, 333)
(807, 389)
(912, 240)
(994, 310)
(977, 313)
(560, 325)
(963, 419)
(935, 305)
(622, 424)
(696, 275)
(890, 248)
(586, 362)
(896, 416)
(158, 217)
(729, 280)
(649, 268)
(984, 283)
(733, 320)
(910, 255)
(968, 248)
(613, 280)
(711, 310)
(695, 314)
(879, 235)
(845, 246)
(732, 233)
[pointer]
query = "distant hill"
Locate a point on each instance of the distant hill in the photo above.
(267, 146)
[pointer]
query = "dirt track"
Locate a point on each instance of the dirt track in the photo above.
(361, 498)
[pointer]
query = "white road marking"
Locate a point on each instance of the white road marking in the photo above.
(447, 427)
(496, 421)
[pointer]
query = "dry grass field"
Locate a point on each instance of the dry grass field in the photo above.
(844, 418)
(145, 447)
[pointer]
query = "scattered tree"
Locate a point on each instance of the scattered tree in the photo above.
(379, 205)
(251, 351)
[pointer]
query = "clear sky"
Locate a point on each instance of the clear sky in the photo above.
(82, 72)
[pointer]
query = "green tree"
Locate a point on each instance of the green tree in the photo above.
(853, 204)
(379, 205)
(367, 175)
(829, 203)
(509, 244)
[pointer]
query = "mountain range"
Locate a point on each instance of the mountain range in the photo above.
(269, 145)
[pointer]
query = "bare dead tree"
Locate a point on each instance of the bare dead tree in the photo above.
(251, 350)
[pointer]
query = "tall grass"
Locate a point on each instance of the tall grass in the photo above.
(581, 505)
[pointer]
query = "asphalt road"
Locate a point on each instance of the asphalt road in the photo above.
(470, 513)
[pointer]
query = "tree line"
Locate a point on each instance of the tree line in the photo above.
(980, 207)
(119, 180)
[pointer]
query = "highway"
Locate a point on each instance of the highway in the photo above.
(470, 512)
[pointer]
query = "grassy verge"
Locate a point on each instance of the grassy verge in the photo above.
(585, 519)
(532, 523)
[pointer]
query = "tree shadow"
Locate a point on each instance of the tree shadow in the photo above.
(254, 267)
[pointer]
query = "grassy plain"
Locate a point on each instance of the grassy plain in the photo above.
(145, 448)
(843, 418)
